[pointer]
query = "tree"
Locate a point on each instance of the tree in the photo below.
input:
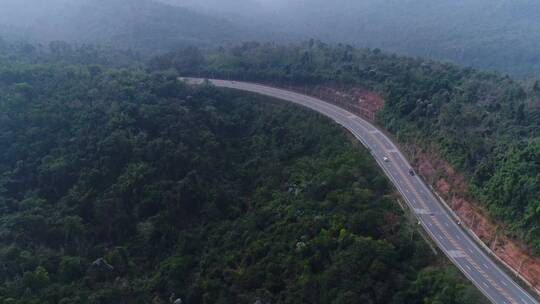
(37, 279)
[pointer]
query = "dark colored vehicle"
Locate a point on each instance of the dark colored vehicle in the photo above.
(411, 172)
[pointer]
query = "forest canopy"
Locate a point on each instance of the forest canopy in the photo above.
(485, 124)
(122, 185)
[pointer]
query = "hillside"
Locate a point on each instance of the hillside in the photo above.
(489, 34)
(485, 125)
(496, 35)
(138, 24)
(122, 186)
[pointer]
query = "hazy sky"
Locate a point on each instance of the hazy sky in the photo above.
(461, 30)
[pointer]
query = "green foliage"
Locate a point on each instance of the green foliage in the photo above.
(120, 186)
(37, 279)
(71, 269)
(484, 124)
(146, 26)
(436, 279)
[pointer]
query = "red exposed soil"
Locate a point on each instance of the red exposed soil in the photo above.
(449, 184)
(355, 99)
(452, 187)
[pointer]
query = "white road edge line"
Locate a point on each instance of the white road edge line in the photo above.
(339, 115)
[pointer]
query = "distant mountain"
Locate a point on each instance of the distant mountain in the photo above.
(140, 24)
(491, 34)
(500, 34)
(146, 24)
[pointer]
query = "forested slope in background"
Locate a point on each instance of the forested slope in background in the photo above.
(122, 186)
(498, 35)
(485, 124)
(142, 25)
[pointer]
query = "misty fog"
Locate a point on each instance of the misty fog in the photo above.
(463, 30)
(269, 151)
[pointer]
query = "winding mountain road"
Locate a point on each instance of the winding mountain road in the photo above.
(429, 211)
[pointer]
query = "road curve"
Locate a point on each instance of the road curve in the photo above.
(434, 218)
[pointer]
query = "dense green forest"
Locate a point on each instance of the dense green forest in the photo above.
(15, 56)
(498, 35)
(119, 185)
(485, 124)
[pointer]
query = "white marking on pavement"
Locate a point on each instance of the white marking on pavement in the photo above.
(456, 253)
(413, 184)
(420, 211)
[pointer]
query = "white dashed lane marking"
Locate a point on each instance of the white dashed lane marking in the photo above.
(371, 135)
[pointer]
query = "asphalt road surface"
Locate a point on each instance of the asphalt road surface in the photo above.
(431, 214)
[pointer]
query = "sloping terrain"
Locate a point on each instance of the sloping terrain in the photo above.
(485, 126)
(138, 24)
(122, 186)
(498, 35)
